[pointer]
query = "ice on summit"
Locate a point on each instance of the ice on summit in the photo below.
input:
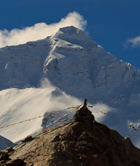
(71, 33)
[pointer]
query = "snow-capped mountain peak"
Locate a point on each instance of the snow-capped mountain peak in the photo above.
(71, 33)
(79, 67)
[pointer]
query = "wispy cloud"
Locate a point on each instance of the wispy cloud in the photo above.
(40, 30)
(18, 105)
(134, 42)
(101, 108)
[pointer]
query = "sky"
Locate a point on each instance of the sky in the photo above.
(113, 24)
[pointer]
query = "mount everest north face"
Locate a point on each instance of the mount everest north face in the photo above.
(75, 65)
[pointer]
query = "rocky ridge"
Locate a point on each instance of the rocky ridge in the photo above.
(78, 144)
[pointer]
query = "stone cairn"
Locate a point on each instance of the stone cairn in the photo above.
(84, 114)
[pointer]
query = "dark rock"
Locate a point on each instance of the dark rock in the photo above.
(2, 162)
(84, 114)
(4, 155)
(27, 139)
(9, 149)
(16, 162)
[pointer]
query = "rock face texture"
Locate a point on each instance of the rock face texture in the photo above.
(79, 144)
(6, 161)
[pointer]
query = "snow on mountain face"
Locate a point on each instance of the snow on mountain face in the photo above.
(80, 67)
(68, 58)
(21, 65)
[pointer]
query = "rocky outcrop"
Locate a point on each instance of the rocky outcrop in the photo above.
(79, 144)
(27, 139)
(6, 161)
(84, 114)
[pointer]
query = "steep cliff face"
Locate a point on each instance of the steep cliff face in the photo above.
(79, 144)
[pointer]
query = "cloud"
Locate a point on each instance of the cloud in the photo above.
(40, 30)
(18, 105)
(100, 109)
(134, 42)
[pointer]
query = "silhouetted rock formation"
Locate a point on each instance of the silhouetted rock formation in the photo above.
(84, 114)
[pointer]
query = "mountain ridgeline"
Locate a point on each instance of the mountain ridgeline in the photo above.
(78, 66)
(77, 144)
(75, 64)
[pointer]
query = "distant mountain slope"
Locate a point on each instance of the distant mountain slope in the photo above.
(78, 66)
(4, 143)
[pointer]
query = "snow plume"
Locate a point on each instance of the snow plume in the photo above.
(57, 98)
(134, 42)
(40, 30)
(18, 105)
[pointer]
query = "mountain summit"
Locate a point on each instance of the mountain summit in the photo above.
(80, 67)
(73, 34)
(68, 55)
(70, 59)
